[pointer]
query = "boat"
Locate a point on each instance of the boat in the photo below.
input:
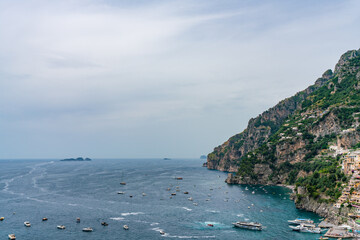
(179, 178)
(62, 227)
(303, 228)
(123, 183)
(186, 192)
(299, 221)
(173, 194)
(248, 225)
(190, 198)
(104, 223)
(210, 225)
(2, 218)
(323, 238)
(120, 192)
(144, 194)
(253, 192)
(44, 219)
(87, 229)
(12, 236)
(162, 232)
(78, 220)
(126, 227)
(27, 224)
(195, 204)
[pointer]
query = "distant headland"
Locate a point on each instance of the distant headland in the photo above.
(76, 159)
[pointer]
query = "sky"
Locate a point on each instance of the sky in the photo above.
(153, 79)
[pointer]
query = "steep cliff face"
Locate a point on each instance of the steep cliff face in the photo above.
(296, 130)
(226, 156)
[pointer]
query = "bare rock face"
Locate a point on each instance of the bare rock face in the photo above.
(343, 67)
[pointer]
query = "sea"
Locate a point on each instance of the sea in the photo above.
(63, 191)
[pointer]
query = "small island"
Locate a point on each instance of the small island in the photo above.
(75, 159)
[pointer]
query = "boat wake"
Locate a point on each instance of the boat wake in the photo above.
(131, 213)
(117, 218)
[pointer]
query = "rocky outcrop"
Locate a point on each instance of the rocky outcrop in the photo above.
(327, 210)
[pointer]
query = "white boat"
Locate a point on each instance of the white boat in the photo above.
(126, 227)
(144, 194)
(62, 227)
(123, 183)
(162, 232)
(299, 221)
(120, 192)
(253, 192)
(190, 198)
(27, 224)
(87, 229)
(12, 236)
(248, 225)
(302, 228)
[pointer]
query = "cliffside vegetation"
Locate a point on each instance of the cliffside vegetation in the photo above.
(289, 143)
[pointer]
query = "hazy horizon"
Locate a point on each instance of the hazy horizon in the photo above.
(154, 79)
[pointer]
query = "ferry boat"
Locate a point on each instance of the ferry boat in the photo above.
(248, 225)
(126, 227)
(12, 236)
(87, 229)
(302, 228)
(27, 224)
(299, 221)
(62, 227)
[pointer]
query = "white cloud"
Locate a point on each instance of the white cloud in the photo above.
(92, 69)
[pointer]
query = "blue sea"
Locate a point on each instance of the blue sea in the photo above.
(63, 191)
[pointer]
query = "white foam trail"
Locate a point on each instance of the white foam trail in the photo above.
(117, 218)
(131, 213)
(187, 209)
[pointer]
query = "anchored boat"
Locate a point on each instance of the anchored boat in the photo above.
(61, 227)
(12, 236)
(249, 225)
(88, 229)
(303, 228)
(299, 221)
(27, 224)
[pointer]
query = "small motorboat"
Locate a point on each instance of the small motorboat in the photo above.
(27, 224)
(186, 192)
(210, 225)
(173, 194)
(179, 178)
(87, 229)
(78, 220)
(12, 236)
(131, 196)
(162, 232)
(44, 219)
(190, 198)
(144, 194)
(123, 183)
(120, 192)
(2, 218)
(323, 238)
(126, 227)
(62, 227)
(104, 223)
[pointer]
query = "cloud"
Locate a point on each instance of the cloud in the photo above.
(94, 69)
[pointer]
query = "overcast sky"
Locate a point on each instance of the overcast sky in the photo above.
(119, 79)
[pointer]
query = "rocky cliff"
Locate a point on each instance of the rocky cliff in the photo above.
(297, 128)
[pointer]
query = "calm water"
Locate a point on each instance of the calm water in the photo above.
(62, 191)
